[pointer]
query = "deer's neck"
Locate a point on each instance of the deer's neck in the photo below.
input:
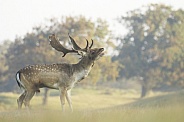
(84, 63)
(82, 68)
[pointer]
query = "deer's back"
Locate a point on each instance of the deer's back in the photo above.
(45, 75)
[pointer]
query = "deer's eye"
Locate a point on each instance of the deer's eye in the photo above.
(93, 52)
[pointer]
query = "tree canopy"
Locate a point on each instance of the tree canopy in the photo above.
(153, 47)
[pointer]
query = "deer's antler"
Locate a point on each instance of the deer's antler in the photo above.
(91, 44)
(54, 42)
(76, 47)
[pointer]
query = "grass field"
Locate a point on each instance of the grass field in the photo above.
(97, 105)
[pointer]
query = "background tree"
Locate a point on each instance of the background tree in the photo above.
(3, 67)
(153, 47)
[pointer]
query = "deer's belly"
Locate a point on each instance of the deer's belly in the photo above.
(48, 80)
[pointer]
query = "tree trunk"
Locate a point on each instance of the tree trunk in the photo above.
(144, 91)
(45, 96)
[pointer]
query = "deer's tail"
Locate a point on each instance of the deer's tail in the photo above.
(18, 79)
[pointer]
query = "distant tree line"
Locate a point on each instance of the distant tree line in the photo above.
(152, 51)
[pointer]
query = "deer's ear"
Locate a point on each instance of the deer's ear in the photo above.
(82, 53)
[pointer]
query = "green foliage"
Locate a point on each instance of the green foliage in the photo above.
(153, 47)
(3, 66)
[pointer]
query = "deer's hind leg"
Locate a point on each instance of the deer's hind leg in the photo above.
(21, 99)
(29, 95)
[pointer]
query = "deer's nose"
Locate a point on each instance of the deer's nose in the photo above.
(102, 49)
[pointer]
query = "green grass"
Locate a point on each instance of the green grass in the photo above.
(97, 105)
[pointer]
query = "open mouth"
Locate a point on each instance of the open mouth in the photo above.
(101, 52)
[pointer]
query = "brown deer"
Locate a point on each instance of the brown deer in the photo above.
(60, 76)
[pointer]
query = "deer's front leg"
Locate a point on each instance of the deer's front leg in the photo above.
(68, 98)
(62, 97)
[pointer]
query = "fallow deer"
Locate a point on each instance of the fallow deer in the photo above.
(60, 76)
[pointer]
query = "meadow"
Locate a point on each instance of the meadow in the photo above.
(97, 105)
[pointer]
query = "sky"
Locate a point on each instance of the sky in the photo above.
(17, 17)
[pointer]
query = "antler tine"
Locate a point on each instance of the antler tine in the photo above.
(54, 42)
(91, 43)
(87, 45)
(76, 47)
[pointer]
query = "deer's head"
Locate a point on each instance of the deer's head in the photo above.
(88, 52)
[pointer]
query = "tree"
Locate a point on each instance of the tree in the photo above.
(3, 66)
(153, 48)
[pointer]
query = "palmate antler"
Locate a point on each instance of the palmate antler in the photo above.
(54, 42)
